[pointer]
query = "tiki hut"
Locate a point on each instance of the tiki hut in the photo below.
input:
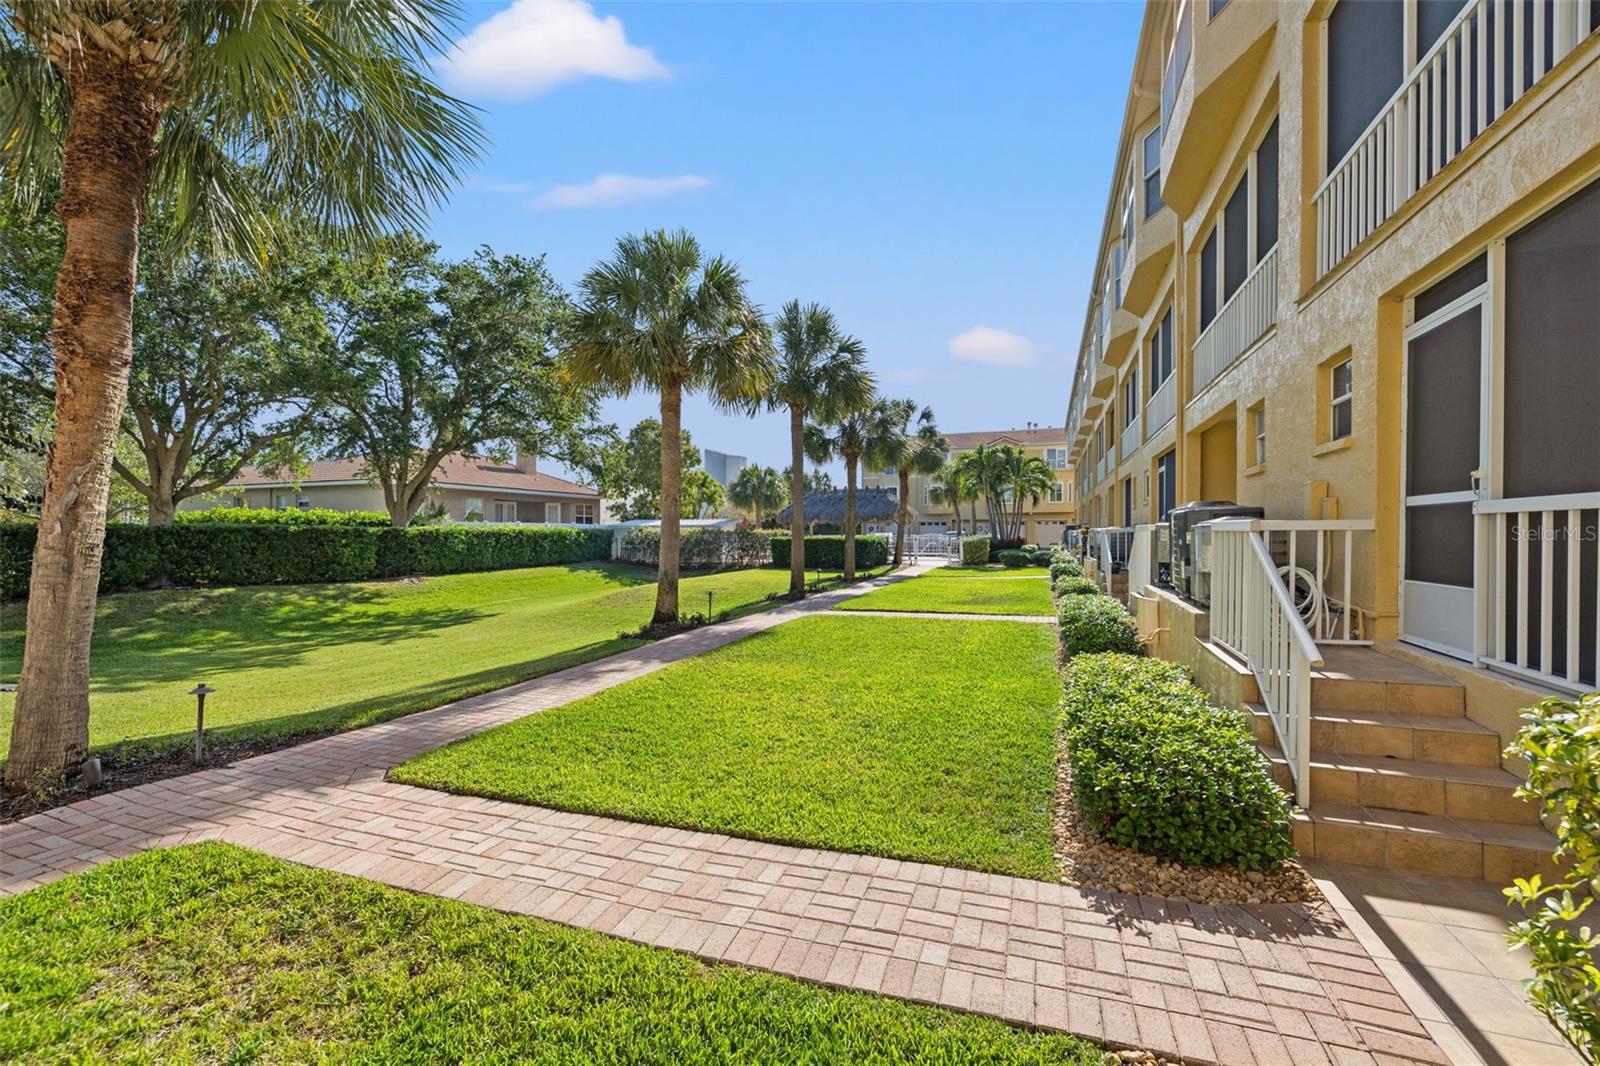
(827, 508)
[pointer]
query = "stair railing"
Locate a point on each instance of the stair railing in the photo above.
(1253, 616)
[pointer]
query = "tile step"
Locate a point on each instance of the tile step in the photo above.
(1430, 738)
(1481, 793)
(1456, 847)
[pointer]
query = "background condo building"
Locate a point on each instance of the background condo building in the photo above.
(1044, 522)
(1349, 273)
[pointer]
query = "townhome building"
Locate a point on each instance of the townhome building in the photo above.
(1349, 274)
(1045, 521)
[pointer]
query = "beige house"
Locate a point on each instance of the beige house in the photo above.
(471, 489)
(1044, 522)
(1349, 272)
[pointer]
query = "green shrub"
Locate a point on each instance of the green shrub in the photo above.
(827, 552)
(700, 548)
(290, 516)
(1096, 624)
(1012, 559)
(193, 553)
(974, 551)
(1157, 768)
(1003, 544)
(1065, 566)
(1068, 585)
(1561, 744)
(1041, 556)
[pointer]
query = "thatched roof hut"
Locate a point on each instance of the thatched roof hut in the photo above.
(872, 505)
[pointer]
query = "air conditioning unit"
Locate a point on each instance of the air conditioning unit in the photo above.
(1161, 556)
(1183, 521)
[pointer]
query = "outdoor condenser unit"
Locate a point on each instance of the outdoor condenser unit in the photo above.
(1183, 521)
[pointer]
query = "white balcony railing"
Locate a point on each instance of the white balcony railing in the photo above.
(1131, 439)
(1539, 553)
(1248, 314)
(1489, 57)
(1162, 407)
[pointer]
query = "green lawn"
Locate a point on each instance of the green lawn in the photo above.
(290, 659)
(923, 739)
(963, 592)
(217, 954)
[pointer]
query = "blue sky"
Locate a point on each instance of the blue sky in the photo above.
(935, 173)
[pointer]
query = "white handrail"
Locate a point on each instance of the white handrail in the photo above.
(1243, 320)
(1253, 616)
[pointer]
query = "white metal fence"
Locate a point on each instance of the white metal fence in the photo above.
(1492, 54)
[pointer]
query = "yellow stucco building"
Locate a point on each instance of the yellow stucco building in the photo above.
(1350, 273)
(1044, 522)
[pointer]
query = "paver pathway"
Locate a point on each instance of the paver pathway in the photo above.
(1225, 985)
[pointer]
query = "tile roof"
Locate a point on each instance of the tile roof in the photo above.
(455, 471)
(1042, 435)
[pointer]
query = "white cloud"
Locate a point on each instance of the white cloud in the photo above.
(993, 347)
(534, 45)
(610, 190)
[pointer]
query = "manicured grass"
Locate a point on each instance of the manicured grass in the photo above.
(993, 570)
(291, 659)
(913, 738)
(214, 953)
(962, 592)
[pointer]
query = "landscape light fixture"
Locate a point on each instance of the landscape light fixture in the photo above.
(200, 692)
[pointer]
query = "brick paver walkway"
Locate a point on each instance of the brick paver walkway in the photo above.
(1225, 985)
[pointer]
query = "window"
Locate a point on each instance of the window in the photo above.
(1208, 280)
(1341, 384)
(1057, 492)
(1152, 172)
(1267, 193)
(240, 501)
(927, 495)
(1161, 353)
(1217, 6)
(1127, 501)
(1258, 432)
(1166, 485)
(1246, 229)
(1366, 63)
(280, 501)
(472, 509)
(1236, 239)
(505, 511)
(1056, 458)
(552, 512)
(1130, 396)
(893, 492)
(583, 514)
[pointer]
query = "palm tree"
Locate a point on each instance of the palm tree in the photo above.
(1029, 477)
(228, 112)
(949, 489)
(847, 438)
(970, 466)
(758, 489)
(822, 373)
(660, 316)
(910, 443)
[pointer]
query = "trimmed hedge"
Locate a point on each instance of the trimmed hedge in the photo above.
(1014, 560)
(700, 548)
(1003, 544)
(1096, 624)
(827, 552)
(1041, 556)
(1065, 567)
(1157, 768)
(286, 553)
(289, 516)
(974, 551)
(1067, 585)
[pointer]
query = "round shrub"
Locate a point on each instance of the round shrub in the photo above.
(1041, 556)
(1096, 624)
(1067, 585)
(1157, 768)
(1065, 566)
(1013, 559)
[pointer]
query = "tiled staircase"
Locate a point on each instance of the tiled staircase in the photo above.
(1401, 777)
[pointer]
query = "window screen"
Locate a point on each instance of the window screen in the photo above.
(1267, 192)
(1208, 280)
(1166, 485)
(1552, 371)
(1366, 61)
(1443, 383)
(1458, 284)
(1236, 239)
(1433, 18)
(1439, 544)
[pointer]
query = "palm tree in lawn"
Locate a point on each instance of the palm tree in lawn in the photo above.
(949, 488)
(847, 438)
(661, 316)
(1012, 475)
(909, 443)
(758, 489)
(822, 374)
(229, 112)
(970, 469)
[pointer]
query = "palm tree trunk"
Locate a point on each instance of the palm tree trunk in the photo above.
(905, 516)
(849, 517)
(797, 500)
(105, 177)
(671, 502)
(974, 502)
